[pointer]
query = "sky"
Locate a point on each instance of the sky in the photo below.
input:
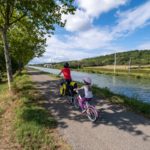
(100, 27)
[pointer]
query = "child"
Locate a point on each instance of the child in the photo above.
(87, 92)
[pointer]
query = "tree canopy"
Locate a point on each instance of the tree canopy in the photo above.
(38, 16)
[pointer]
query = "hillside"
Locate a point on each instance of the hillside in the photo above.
(136, 57)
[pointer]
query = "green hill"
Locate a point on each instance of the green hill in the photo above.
(137, 57)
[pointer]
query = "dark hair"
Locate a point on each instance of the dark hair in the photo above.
(66, 65)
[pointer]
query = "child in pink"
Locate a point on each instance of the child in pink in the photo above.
(87, 92)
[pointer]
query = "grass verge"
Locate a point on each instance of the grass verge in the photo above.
(32, 124)
(134, 73)
(6, 100)
(131, 103)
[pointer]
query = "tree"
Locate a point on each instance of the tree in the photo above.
(2, 62)
(25, 44)
(43, 14)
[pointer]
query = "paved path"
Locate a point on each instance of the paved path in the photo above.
(116, 129)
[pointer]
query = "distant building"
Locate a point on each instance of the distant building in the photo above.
(48, 65)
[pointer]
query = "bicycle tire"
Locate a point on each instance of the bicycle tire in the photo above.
(92, 114)
(70, 96)
(70, 99)
(76, 103)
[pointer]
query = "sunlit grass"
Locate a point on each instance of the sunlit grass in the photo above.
(132, 103)
(32, 122)
(5, 98)
(143, 72)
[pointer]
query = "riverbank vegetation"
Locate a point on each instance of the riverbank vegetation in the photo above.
(31, 125)
(135, 71)
(131, 104)
(133, 63)
(129, 59)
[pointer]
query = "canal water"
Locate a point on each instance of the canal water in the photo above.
(125, 85)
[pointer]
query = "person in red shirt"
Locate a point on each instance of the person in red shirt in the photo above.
(67, 75)
(66, 72)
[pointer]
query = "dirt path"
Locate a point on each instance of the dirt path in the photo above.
(116, 129)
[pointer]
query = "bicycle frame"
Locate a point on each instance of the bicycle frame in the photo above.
(90, 109)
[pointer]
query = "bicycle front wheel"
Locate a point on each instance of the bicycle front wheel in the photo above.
(92, 114)
(76, 103)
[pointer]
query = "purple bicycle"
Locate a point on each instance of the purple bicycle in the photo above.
(90, 110)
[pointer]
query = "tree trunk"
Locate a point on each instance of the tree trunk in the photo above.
(7, 58)
(20, 66)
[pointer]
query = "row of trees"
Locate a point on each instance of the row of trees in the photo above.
(136, 57)
(23, 26)
(24, 46)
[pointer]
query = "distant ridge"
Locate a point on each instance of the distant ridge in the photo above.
(135, 57)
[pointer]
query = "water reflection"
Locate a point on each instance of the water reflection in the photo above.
(114, 80)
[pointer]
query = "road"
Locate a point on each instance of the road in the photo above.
(116, 128)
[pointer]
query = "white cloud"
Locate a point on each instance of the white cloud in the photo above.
(59, 50)
(94, 40)
(87, 11)
(96, 7)
(79, 21)
(86, 40)
(91, 39)
(132, 19)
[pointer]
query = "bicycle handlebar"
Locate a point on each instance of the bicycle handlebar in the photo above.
(76, 90)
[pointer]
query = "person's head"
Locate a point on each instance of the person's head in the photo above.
(87, 81)
(66, 65)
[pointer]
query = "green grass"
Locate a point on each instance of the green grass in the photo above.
(132, 103)
(3, 87)
(5, 98)
(5, 101)
(142, 73)
(32, 122)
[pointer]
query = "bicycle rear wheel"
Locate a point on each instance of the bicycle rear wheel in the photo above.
(92, 114)
(70, 97)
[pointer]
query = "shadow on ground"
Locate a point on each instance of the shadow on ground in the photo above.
(110, 115)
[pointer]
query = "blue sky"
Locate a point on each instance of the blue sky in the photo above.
(100, 27)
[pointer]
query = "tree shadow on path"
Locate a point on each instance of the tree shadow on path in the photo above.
(110, 115)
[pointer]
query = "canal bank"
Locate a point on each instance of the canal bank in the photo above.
(120, 128)
(131, 104)
(123, 85)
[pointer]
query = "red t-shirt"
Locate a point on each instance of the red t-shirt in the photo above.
(66, 73)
